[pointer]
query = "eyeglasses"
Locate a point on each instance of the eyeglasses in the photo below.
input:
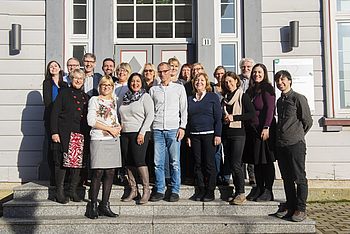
(198, 68)
(164, 71)
(146, 70)
(106, 85)
(89, 61)
(73, 65)
(122, 70)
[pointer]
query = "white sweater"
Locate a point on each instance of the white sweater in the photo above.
(103, 111)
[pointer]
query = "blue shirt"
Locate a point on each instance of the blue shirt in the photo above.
(55, 89)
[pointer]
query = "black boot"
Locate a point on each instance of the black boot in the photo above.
(92, 210)
(200, 194)
(104, 209)
(209, 196)
(75, 179)
(59, 177)
(254, 194)
(267, 195)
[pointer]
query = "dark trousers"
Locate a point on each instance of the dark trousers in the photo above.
(233, 147)
(264, 175)
(291, 161)
(203, 151)
(133, 154)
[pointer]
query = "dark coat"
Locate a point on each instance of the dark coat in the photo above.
(69, 114)
(48, 103)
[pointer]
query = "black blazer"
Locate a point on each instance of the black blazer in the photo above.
(48, 103)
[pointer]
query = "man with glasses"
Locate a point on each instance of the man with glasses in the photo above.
(170, 119)
(91, 79)
(72, 64)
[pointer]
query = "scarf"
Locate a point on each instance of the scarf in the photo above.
(236, 102)
(131, 97)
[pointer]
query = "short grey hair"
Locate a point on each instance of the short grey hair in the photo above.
(243, 60)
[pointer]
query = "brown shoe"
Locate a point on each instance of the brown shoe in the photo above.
(299, 216)
(239, 200)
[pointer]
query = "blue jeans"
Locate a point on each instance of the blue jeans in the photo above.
(166, 139)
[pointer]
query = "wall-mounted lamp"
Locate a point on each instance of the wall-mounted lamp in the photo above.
(294, 33)
(15, 38)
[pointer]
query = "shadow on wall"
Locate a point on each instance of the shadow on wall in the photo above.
(30, 156)
(284, 39)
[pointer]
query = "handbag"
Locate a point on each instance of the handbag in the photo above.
(74, 157)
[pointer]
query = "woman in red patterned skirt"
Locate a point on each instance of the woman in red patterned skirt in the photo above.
(69, 133)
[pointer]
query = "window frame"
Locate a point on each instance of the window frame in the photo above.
(228, 38)
(332, 19)
(136, 40)
(72, 39)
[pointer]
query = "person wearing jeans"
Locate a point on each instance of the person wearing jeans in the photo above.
(294, 121)
(170, 119)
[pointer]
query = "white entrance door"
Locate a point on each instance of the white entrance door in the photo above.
(138, 55)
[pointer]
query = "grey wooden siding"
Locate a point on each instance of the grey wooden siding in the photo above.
(328, 153)
(21, 76)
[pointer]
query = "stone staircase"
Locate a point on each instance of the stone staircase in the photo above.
(30, 211)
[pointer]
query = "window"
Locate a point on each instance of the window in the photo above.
(78, 28)
(339, 34)
(228, 56)
(153, 19)
(228, 36)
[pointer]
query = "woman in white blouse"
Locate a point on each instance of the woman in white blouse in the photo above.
(137, 114)
(104, 146)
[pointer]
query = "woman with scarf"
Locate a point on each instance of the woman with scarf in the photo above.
(137, 114)
(70, 133)
(237, 108)
(261, 134)
(104, 147)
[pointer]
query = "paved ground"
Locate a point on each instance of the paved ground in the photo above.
(330, 217)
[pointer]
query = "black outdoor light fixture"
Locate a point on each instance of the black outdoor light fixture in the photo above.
(15, 38)
(294, 33)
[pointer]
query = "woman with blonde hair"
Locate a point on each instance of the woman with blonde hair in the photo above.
(149, 73)
(104, 146)
(204, 126)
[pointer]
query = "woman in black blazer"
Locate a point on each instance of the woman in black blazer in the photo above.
(52, 84)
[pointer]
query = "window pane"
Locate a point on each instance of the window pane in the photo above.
(183, 30)
(164, 30)
(79, 27)
(227, 26)
(80, 1)
(344, 64)
(78, 52)
(164, 1)
(125, 1)
(183, 13)
(227, 11)
(343, 5)
(125, 30)
(227, 1)
(183, 1)
(164, 13)
(79, 12)
(144, 1)
(125, 13)
(144, 30)
(144, 13)
(228, 56)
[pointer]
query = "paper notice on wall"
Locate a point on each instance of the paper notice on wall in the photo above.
(302, 76)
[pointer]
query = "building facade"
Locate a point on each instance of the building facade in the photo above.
(213, 32)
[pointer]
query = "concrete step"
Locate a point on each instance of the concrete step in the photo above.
(41, 190)
(20, 208)
(155, 224)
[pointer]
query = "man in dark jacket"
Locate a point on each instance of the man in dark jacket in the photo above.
(294, 121)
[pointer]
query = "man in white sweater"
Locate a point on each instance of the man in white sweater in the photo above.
(170, 119)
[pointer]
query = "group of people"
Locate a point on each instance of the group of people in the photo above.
(111, 121)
